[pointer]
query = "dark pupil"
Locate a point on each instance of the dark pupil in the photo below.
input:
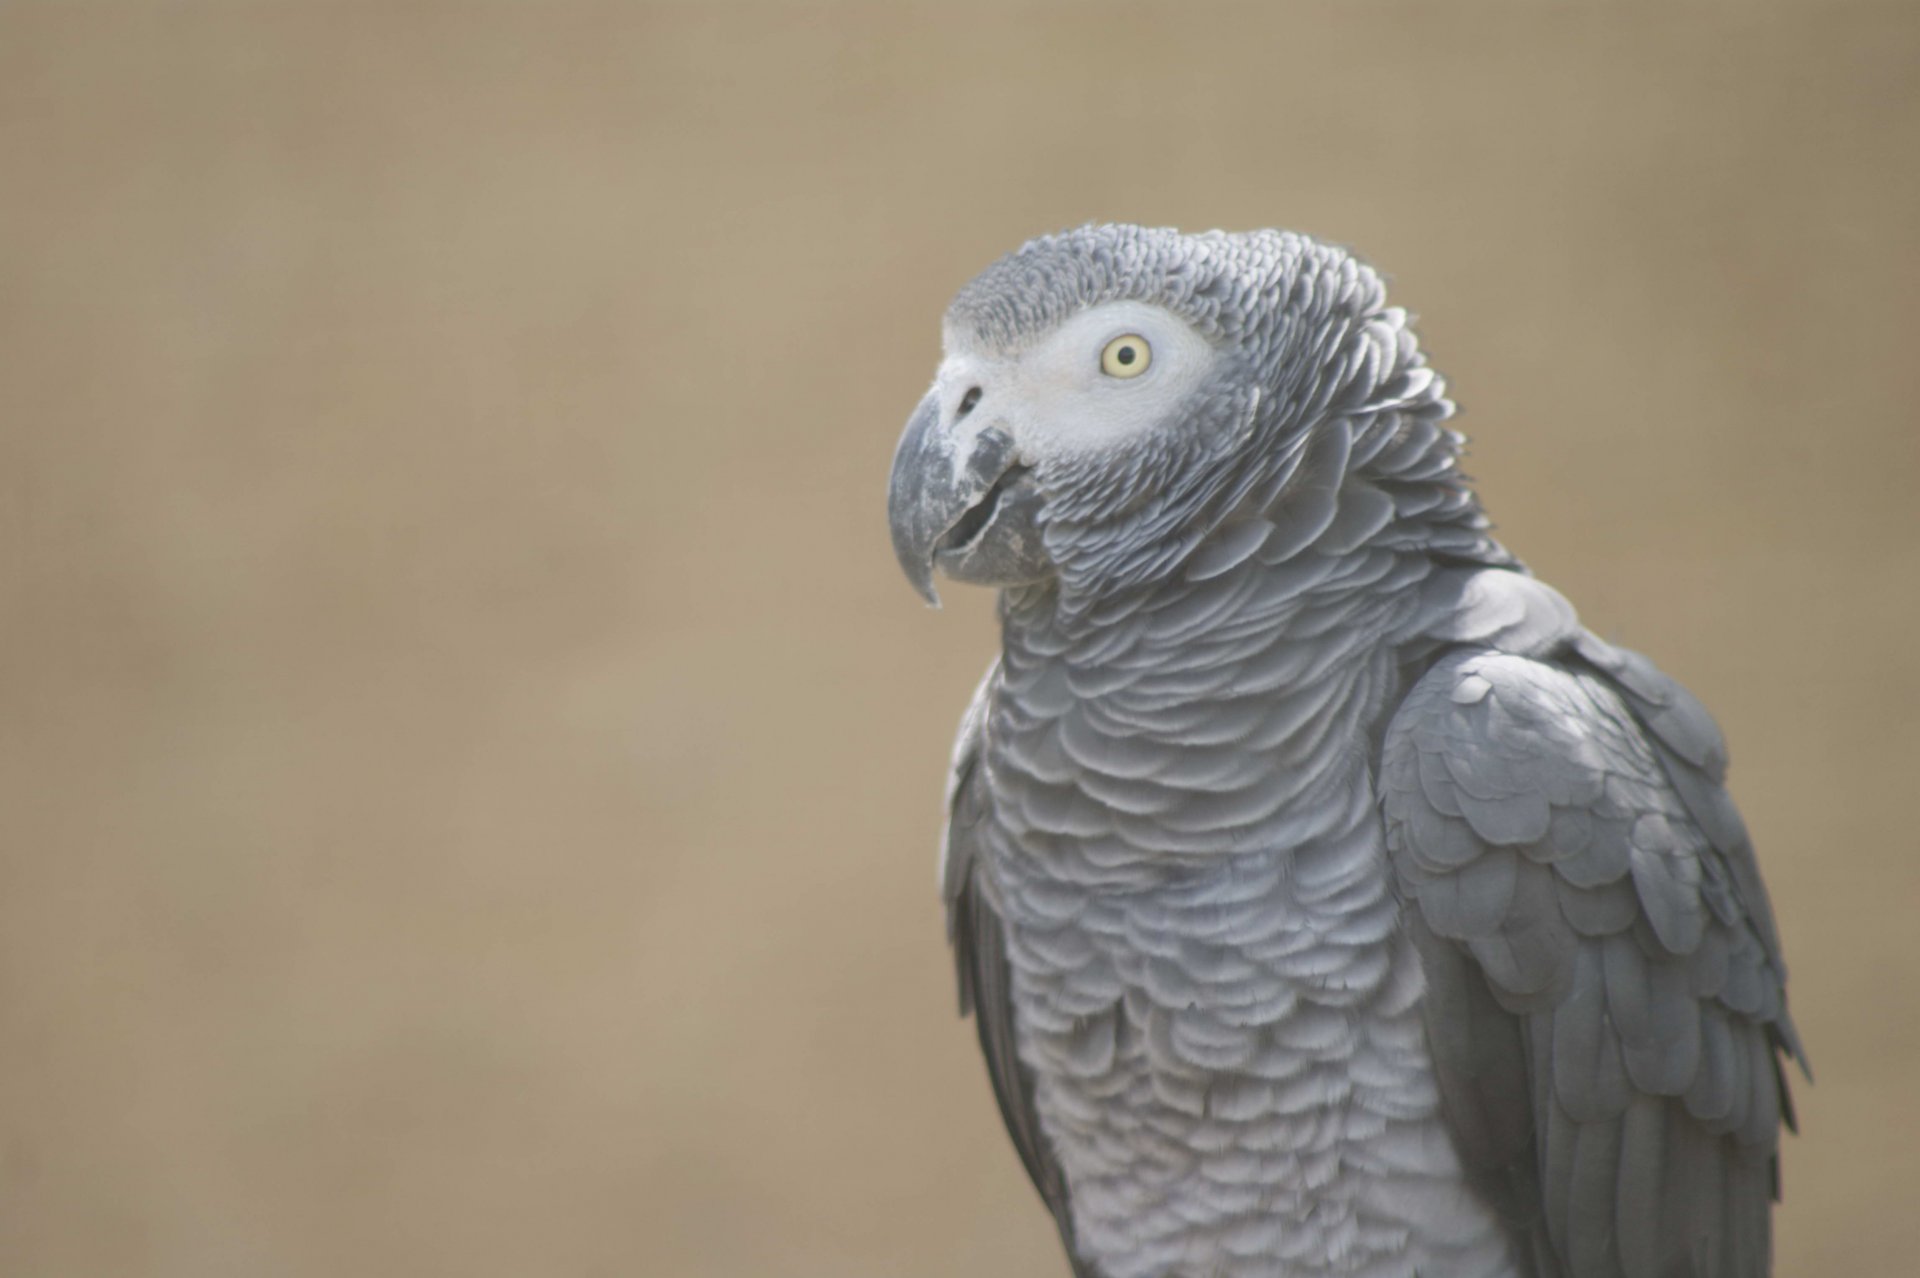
(1124, 355)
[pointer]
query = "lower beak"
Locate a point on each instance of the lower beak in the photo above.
(933, 486)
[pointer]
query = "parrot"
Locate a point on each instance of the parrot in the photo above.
(1327, 898)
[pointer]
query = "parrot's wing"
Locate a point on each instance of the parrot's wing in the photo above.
(980, 954)
(1606, 993)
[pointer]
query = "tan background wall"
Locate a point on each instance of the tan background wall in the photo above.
(469, 768)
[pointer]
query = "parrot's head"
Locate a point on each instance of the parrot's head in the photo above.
(1109, 397)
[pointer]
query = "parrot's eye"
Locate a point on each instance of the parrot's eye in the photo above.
(1126, 356)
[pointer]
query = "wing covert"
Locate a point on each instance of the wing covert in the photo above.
(1606, 990)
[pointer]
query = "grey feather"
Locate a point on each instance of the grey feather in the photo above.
(1234, 546)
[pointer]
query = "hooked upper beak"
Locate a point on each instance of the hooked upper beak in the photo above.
(934, 487)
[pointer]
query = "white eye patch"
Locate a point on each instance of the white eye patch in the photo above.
(1082, 388)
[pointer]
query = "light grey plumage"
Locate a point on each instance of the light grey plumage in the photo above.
(1329, 901)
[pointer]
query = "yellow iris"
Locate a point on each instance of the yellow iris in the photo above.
(1126, 356)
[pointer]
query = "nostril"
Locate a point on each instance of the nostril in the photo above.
(967, 401)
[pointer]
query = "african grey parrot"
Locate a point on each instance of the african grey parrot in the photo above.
(1328, 899)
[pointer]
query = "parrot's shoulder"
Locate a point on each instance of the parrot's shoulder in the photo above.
(1504, 609)
(1496, 761)
(1606, 993)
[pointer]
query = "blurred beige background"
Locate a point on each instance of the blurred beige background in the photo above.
(470, 769)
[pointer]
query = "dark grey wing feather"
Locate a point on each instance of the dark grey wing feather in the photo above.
(1606, 993)
(980, 955)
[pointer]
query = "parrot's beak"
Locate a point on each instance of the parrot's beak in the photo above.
(943, 491)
